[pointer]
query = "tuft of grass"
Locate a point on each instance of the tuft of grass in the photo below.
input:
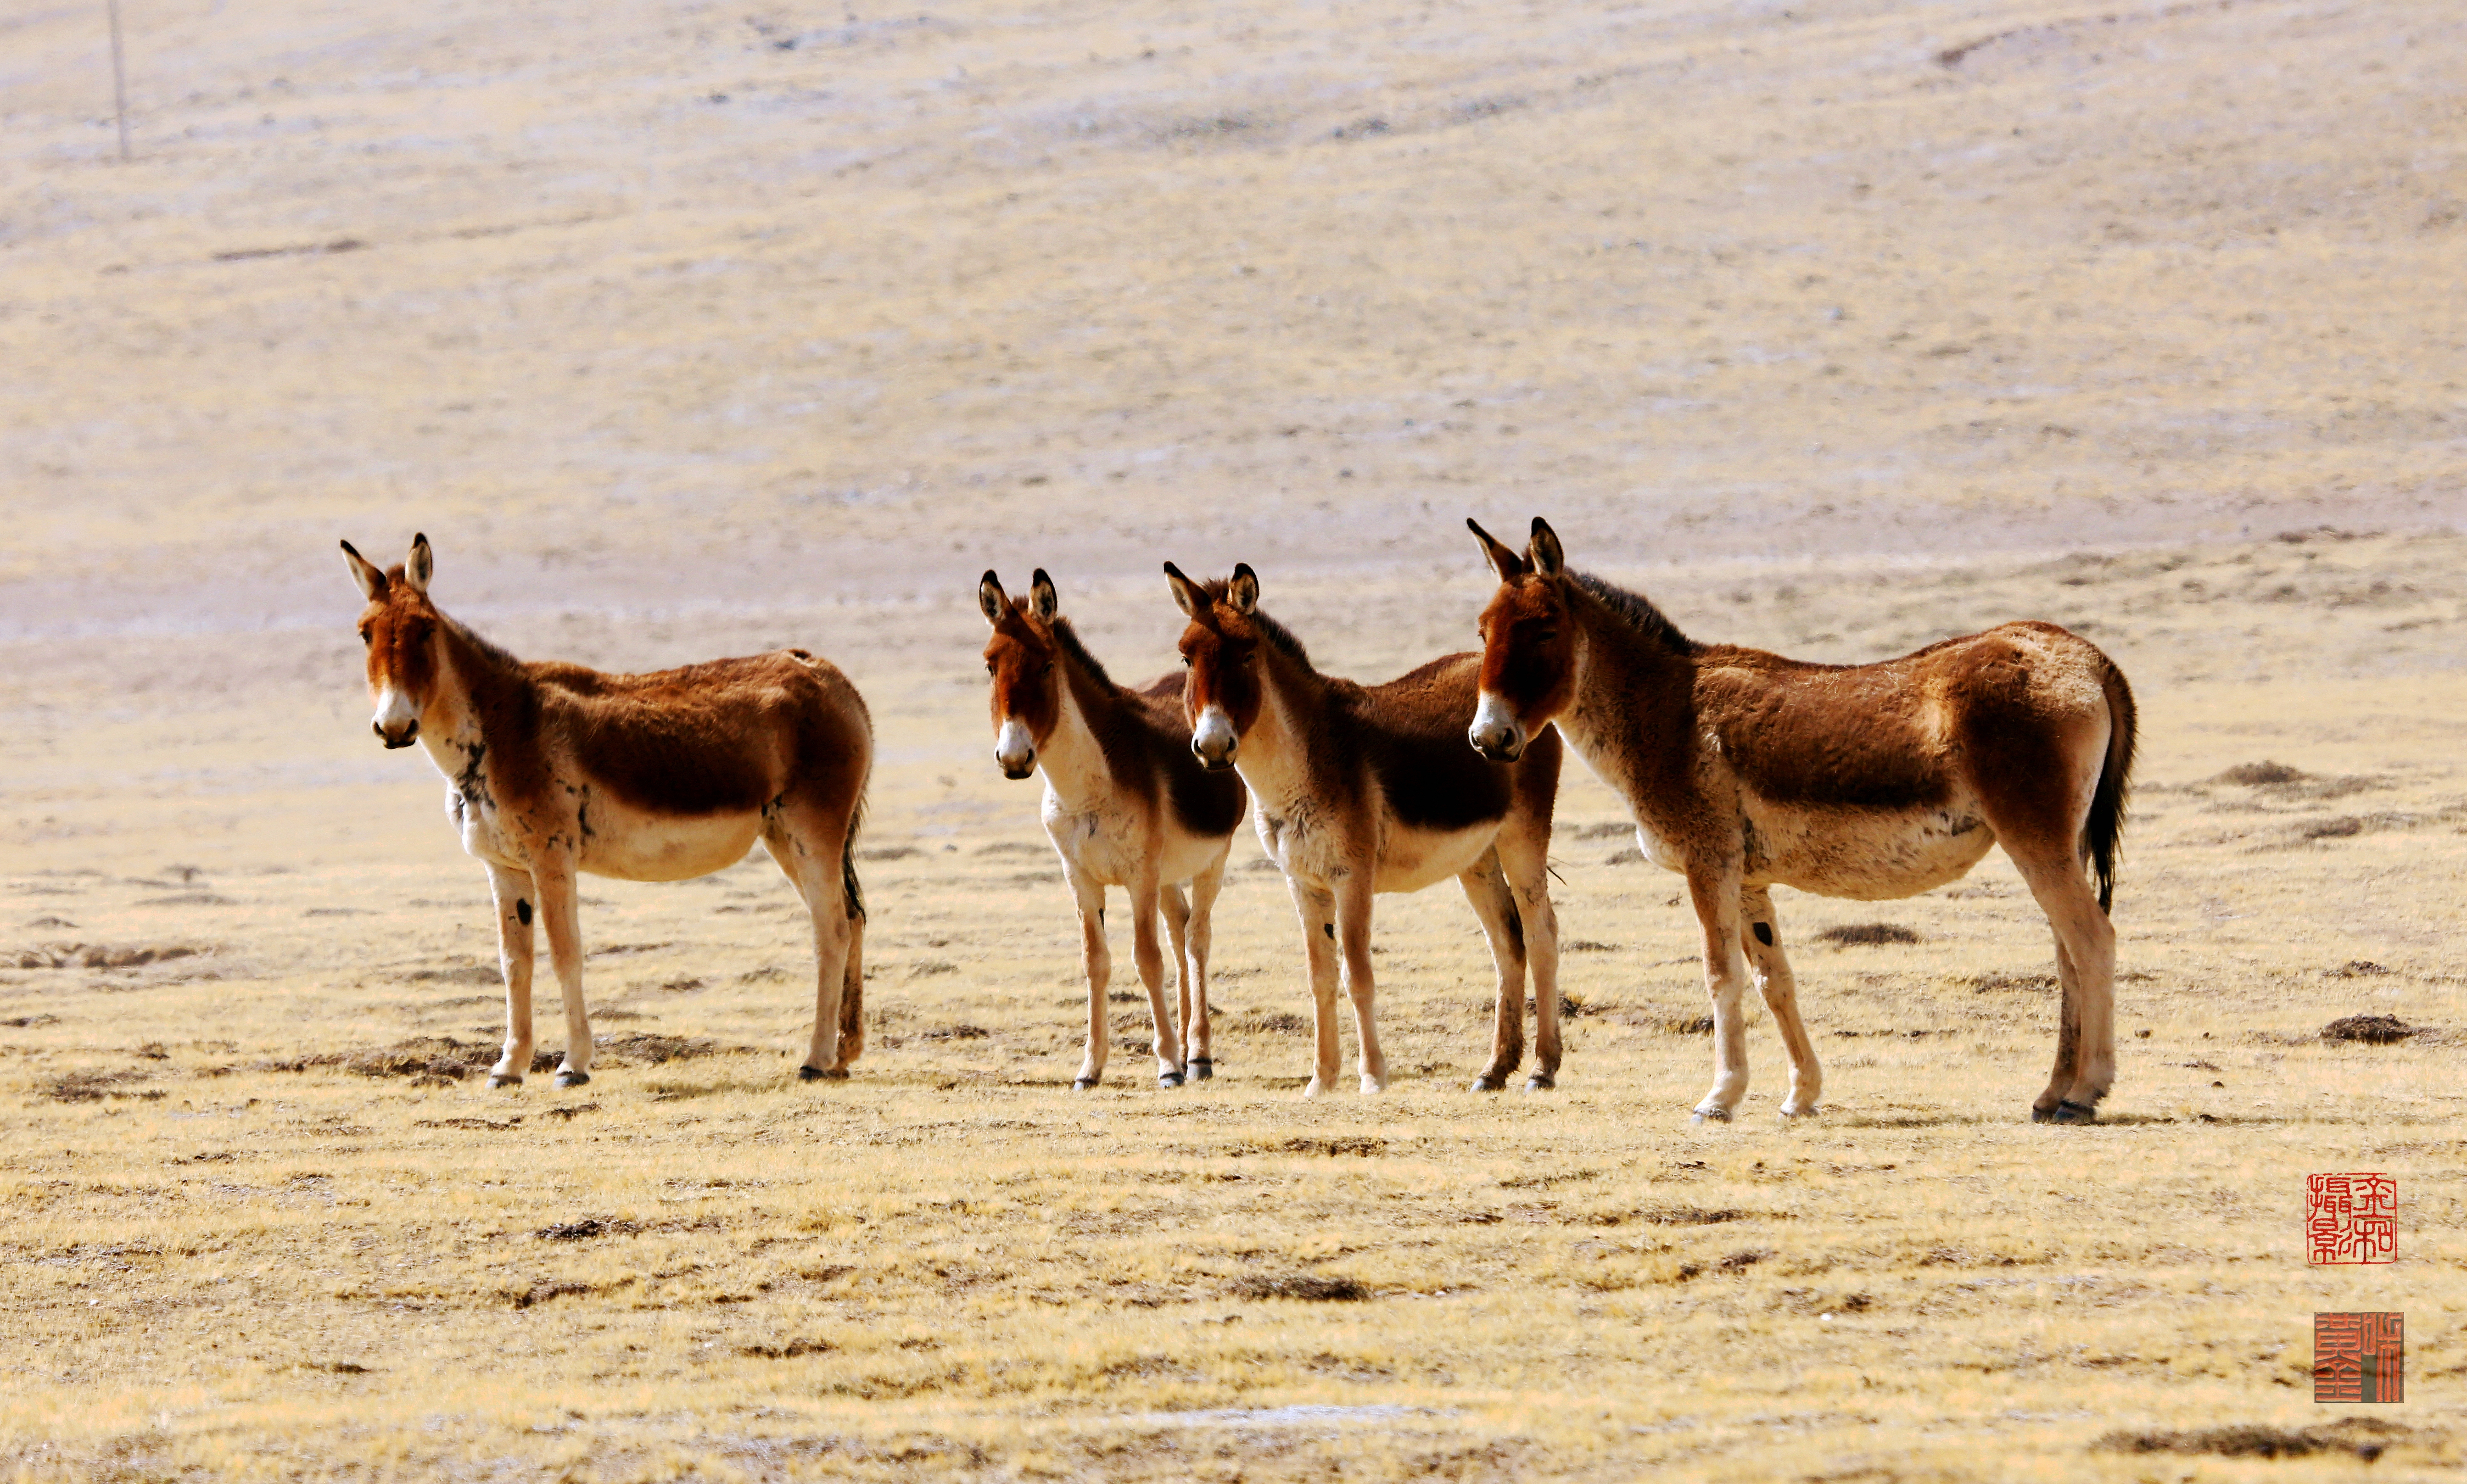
(1866, 935)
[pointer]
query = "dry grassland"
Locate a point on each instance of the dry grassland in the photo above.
(686, 331)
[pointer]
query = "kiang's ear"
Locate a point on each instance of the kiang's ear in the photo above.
(1187, 595)
(1244, 592)
(365, 572)
(991, 600)
(1547, 559)
(422, 565)
(1505, 563)
(1042, 600)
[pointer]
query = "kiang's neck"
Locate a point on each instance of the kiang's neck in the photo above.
(1620, 671)
(1073, 760)
(1275, 753)
(453, 723)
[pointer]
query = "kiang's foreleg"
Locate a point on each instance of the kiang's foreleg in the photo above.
(1197, 1024)
(516, 903)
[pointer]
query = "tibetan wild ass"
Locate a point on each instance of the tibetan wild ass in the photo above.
(1365, 788)
(552, 769)
(1127, 805)
(1870, 782)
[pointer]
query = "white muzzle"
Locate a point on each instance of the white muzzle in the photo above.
(1214, 740)
(1014, 749)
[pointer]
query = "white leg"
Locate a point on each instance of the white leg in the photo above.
(1164, 1041)
(1196, 1025)
(1718, 915)
(1353, 938)
(1762, 944)
(516, 904)
(1318, 911)
(1099, 962)
(560, 914)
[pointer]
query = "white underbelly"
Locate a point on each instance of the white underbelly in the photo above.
(1105, 844)
(636, 846)
(1864, 854)
(1412, 859)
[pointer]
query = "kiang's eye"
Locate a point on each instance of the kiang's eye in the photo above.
(368, 636)
(989, 667)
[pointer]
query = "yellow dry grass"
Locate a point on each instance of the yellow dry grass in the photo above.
(685, 333)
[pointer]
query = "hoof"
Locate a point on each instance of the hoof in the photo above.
(819, 1074)
(1372, 1086)
(572, 1079)
(1538, 1083)
(1202, 1068)
(1790, 1114)
(1315, 1087)
(1710, 1112)
(1168, 1079)
(2066, 1112)
(1082, 1084)
(1488, 1082)
(505, 1079)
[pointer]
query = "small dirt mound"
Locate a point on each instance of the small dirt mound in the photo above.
(1360, 1145)
(2375, 1029)
(2355, 969)
(787, 1351)
(1273, 1022)
(966, 1032)
(585, 1229)
(1689, 1216)
(98, 956)
(1311, 1288)
(93, 1087)
(2252, 1440)
(2261, 774)
(1866, 935)
(1990, 983)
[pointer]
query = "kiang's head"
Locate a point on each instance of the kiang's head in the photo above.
(1221, 690)
(1528, 645)
(399, 626)
(1020, 657)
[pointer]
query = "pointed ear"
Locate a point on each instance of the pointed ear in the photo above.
(1507, 564)
(1042, 600)
(990, 598)
(1187, 595)
(1244, 592)
(373, 583)
(1547, 559)
(422, 565)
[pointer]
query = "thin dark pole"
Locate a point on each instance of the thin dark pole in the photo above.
(119, 80)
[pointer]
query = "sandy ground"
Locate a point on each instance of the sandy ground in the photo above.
(684, 331)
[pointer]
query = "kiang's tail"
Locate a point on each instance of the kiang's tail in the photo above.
(2107, 802)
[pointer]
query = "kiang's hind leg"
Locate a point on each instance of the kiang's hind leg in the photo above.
(1761, 941)
(2085, 1065)
(560, 913)
(515, 901)
(1486, 886)
(808, 847)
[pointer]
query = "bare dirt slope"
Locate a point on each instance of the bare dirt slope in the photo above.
(684, 332)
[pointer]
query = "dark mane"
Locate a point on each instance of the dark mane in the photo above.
(1067, 638)
(1270, 629)
(490, 652)
(1633, 610)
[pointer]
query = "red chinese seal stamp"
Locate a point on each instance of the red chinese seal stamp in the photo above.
(2359, 1357)
(2351, 1219)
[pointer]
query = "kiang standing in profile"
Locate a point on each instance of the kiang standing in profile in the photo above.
(1745, 771)
(554, 771)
